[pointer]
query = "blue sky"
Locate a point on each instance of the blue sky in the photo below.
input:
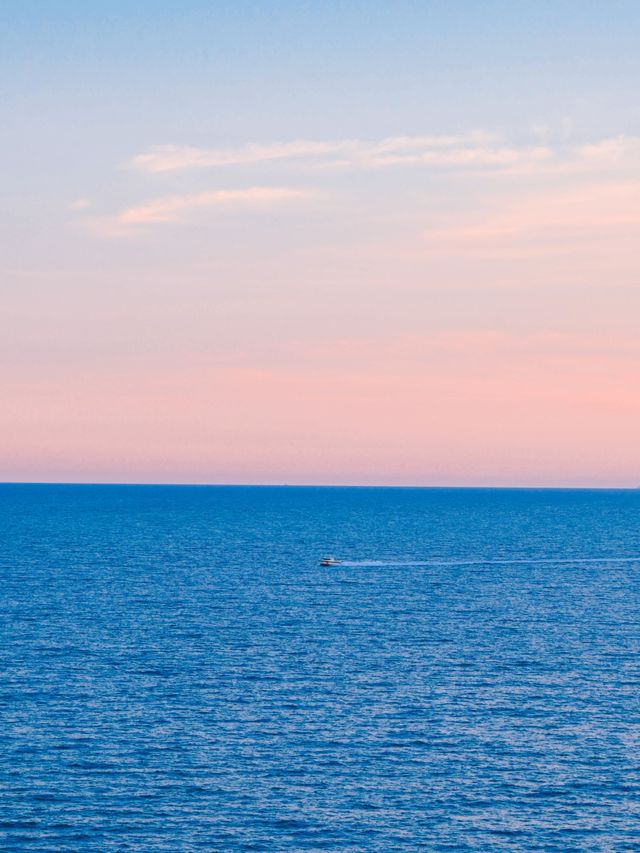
(249, 69)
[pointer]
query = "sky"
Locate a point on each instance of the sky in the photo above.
(353, 242)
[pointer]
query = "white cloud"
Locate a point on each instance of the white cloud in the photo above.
(170, 158)
(617, 149)
(174, 208)
(473, 149)
(476, 150)
(602, 218)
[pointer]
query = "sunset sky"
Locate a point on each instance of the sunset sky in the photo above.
(335, 242)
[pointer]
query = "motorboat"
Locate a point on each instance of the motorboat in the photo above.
(330, 561)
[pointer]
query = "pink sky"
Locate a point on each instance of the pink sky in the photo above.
(467, 409)
(491, 341)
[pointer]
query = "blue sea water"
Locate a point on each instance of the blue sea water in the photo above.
(179, 674)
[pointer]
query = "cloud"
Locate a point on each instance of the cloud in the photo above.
(176, 207)
(476, 149)
(171, 158)
(609, 160)
(595, 211)
(80, 204)
(616, 149)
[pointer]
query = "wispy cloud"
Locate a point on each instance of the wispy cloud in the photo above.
(616, 149)
(171, 158)
(80, 204)
(177, 208)
(588, 210)
(613, 161)
(584, 236)
(473, 149)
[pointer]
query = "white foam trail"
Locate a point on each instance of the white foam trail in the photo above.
(491, 561)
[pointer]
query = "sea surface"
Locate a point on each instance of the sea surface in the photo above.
(177, 672)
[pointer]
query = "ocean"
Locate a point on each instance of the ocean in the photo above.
(178, 672)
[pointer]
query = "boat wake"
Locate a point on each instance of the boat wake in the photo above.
(490, 561)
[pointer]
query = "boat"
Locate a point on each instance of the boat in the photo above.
(330, 561)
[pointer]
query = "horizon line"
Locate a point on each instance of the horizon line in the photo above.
(488, 487)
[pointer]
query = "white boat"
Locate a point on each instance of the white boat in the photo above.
(329, 561)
